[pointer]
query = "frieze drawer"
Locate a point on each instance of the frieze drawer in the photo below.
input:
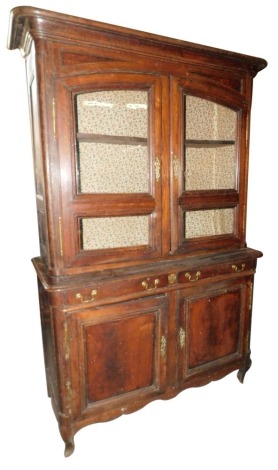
(100, 291)
(204, 272)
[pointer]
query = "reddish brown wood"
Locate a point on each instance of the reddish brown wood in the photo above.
(208, 143)
(108, 139)
(214, 326)
(131, 364)
(124, 326)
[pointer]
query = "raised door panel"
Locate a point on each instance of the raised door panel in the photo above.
(120, 352)
(110, 166)
(213, 327)
(208, 166)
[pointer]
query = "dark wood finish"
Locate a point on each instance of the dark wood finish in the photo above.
(111, 139)
(207, 143)
(131, 365)
(215, 325)
(125, 325)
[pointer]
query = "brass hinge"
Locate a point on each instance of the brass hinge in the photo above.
(54, 117)
(182, 337)
(68, 384)
(157, 169)
(68, 397)
(61, 237)
(66, 340)
(244, 219)
(250, 295)
(163, 346)
(176, 167)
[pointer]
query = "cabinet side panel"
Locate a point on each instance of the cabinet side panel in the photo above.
(37, 154)
(49, 346)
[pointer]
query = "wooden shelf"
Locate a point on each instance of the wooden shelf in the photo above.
(208, 143)
(111, 139)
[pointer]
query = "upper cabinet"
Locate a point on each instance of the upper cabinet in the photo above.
(140, 142)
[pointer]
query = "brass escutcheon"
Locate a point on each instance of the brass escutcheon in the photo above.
(172, 278)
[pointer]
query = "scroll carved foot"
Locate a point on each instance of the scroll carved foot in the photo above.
(241, 373)
(67, 435)
(69, 448)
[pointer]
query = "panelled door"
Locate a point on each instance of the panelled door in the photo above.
(111, 184)
(208, 170)
(120, 350)
(213, 326)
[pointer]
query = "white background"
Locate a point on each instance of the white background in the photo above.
(221, 426)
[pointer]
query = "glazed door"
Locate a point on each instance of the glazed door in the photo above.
(110, 157)
(208, 151)
(213, 326)
(119, 353)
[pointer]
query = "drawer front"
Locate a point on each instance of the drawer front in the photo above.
(125, 287)
(115, 289)
(205, 272)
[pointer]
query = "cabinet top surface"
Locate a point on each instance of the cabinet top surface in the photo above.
(27, 23)
(152, 269)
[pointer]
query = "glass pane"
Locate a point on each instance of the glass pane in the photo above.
(210, 168)
(119, 112)
(114, 232)
(206, 120)
(106, 168)
(112, 134)
(210, 150)
(209, 222)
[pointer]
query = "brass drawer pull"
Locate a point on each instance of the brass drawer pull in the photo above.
(146, 284)
(237, 269)
(86, 300)
(196, 278)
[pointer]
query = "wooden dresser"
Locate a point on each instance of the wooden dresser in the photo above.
(141, 163)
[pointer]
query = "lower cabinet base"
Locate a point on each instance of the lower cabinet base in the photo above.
(69, 430)
(110, 352)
